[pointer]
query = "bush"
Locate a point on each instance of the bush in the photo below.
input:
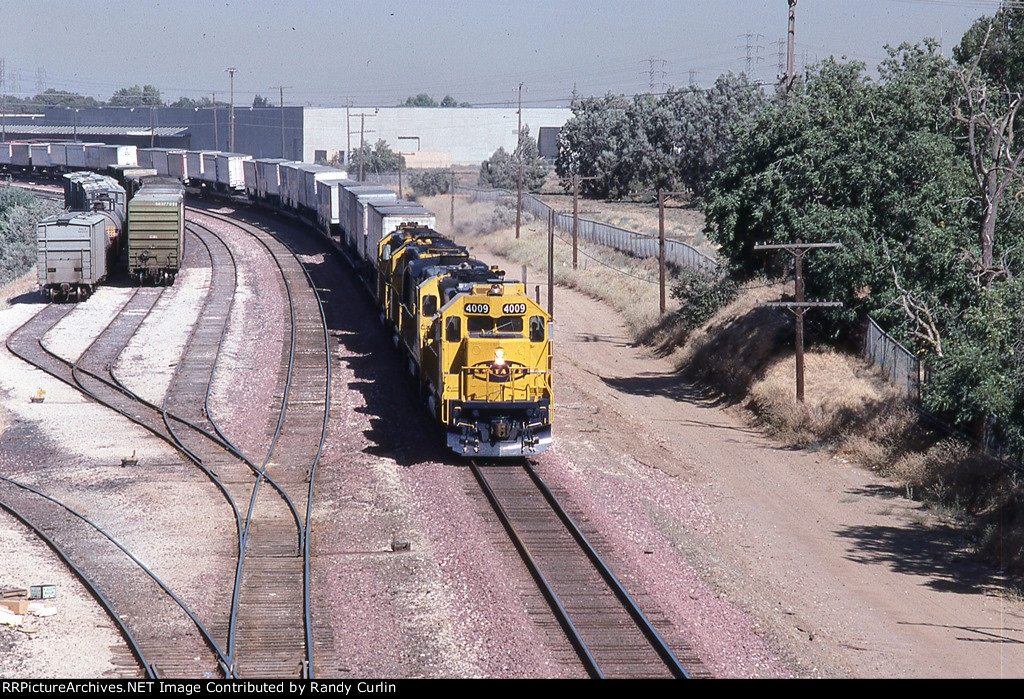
(701, 295)
(429, 183)
(20, 213)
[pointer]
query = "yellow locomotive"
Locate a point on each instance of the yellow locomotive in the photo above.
(478, 344)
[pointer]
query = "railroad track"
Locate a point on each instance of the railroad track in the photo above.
(275, 542)
(178, 645)
(611, 635)
(273, 630)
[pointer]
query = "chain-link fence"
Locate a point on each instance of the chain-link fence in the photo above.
(637, 244)
(898, 363)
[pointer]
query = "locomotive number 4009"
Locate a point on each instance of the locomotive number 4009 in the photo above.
(514, 308)
(481, 308)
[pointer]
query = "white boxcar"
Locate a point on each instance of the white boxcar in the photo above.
(249, 174)
(98, 156)
(311, 174)
(177, 164)
(59, 155)
(197, 162)
(75, 153)
(353, 202)
(209, 171)
(146, 155)
(21, 154)
(230, 173)
(384, 219)
(40, 154)
(328, 206)
(268, 177)
(292, 183)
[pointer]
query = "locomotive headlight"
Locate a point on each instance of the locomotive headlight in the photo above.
(499, 357)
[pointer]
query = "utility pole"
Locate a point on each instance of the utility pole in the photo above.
(662, 196)
(519, 152)
(281, 88)
(551, 262)
(3, 85)
(231, 119)
(348, 132)
(451, 215)
(576, 180)
(790, 55)
(362, 141)
(152, 127)
(799, 306)
(216, 136)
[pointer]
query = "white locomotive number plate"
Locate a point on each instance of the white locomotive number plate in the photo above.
(478, 308)
(513, 309)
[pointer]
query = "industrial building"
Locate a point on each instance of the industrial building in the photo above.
(427, 136)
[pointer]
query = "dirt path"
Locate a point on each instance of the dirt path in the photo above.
(839, 574)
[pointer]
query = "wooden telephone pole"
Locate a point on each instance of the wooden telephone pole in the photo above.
(799, 306)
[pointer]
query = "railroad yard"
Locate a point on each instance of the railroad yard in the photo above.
(750, 560)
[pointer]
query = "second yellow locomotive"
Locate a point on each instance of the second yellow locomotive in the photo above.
(479, 346)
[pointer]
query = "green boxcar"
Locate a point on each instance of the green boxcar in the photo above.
(156, 231)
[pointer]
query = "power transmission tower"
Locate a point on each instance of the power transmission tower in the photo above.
(693, 78)
(40, 80)
(753, 49)
(231, 119)
(780, 47)
(656, 73)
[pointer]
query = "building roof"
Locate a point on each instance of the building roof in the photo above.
(65, 129)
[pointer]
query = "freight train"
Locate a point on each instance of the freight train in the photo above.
(479, 347)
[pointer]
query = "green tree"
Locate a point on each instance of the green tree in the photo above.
(376, 158)
(420, 100)
(1002, 36)
(60, 98)
(501, 170)
(261, 101)
(430, 183)
(20, 213)
(135, 96)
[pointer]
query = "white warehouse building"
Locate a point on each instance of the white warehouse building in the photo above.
(467, 135)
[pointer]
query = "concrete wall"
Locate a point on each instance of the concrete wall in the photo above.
(469, 135)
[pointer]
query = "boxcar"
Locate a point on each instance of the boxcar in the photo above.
(75, 252)
(156, 231)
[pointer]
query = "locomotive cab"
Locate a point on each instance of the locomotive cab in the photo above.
(493, 353)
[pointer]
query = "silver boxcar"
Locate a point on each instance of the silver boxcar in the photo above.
(75, 251)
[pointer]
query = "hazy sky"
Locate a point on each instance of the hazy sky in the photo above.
(380, 51)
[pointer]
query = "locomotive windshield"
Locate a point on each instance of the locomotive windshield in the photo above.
(486, 325)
